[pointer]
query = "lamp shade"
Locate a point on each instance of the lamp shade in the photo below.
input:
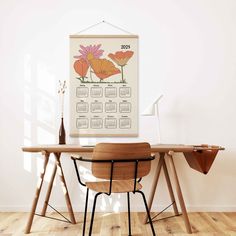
(150, 110)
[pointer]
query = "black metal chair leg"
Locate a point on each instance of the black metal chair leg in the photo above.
(85, 212)
(147, 210)
(129, 213)
(93, 212)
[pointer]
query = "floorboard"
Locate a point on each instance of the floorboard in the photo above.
(116, 224)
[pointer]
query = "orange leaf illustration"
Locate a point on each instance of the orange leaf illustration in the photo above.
(103, 68)
(81, 67)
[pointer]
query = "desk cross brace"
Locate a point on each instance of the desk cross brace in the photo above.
(163, 211)
(54, 218)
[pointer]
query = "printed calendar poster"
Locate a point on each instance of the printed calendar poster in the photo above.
(103, 85)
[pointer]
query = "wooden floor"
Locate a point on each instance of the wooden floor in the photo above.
(106, 224)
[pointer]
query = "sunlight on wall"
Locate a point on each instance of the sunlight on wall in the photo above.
(46, 81)
(40, 108)
(44, 136)
(117, 205)
(27, 161)
(88, 141)
(27, 68)
(46, 105)
(27, 100)
(27, 111)
(110, 202)
(103, 203)
(86, 173)
(46, 112)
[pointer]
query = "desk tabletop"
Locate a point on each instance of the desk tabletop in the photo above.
(75, 148)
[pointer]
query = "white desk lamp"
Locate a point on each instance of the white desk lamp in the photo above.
(152, 110)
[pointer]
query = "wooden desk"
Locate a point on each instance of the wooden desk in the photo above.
(163, 150)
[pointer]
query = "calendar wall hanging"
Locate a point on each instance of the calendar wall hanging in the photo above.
(103, 85)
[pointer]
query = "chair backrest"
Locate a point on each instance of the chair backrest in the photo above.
(118, 151)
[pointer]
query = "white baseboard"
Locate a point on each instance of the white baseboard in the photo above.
(137, 208)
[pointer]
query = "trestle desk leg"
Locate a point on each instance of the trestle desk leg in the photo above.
(179, 194)
(64, 187)
(37, 193)
(43, 212)
(154, 184)
(169, 185)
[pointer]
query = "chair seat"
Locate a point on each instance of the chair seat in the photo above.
(118, 186)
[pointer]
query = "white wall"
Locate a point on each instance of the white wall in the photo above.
(187, 52)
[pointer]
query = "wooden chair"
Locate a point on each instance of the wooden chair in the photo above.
(121, 166)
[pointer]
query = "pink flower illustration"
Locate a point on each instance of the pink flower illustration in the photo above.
(90, 52)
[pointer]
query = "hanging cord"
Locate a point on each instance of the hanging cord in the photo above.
(91, 26)
(104, 22)
(114, 26)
